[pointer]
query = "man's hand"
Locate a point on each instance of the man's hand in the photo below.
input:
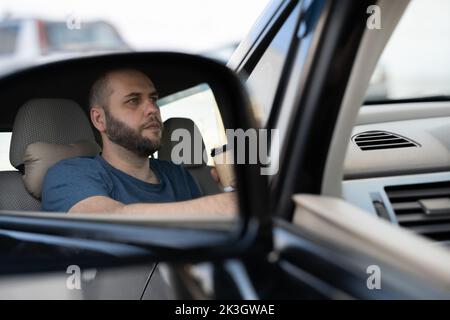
(216, 178)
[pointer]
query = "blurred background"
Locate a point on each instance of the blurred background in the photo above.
(39, 31)
(33, 31)
(414, 64)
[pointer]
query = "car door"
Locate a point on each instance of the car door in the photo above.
(297, 241)
(322, 53)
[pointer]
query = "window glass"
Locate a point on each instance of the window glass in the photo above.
(263, 80)
(198, 104)
(5, 142)
(416, 60)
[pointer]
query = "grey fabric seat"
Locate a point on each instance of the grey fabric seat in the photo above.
(200, 171)
(13, 195)
(57, 121)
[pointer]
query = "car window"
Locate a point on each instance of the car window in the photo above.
(199, 105)
(5, 141)
(416, 60)
(8, 39)
(263, 80)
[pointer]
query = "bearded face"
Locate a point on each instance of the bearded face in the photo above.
(133, 139)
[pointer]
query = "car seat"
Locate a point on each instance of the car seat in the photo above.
(40, 121)
(199, 171)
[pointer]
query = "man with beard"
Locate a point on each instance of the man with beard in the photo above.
(123, 179)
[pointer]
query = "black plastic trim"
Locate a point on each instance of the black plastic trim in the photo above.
(305, 150)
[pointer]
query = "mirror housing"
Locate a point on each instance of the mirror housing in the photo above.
(171, 72)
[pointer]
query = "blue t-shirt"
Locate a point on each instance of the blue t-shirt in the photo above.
(72, 180)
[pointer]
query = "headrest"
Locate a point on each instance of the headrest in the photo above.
(195, 141)
(40, 156)
(58, 121)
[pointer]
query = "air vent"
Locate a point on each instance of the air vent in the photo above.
(423, 208)
(376, 140)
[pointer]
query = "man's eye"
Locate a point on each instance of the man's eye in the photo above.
(133, 100)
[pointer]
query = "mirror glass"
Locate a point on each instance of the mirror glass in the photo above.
(137, 139)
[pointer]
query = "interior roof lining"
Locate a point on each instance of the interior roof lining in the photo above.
(72, 80)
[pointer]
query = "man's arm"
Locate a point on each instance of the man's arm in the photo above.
(223, 204)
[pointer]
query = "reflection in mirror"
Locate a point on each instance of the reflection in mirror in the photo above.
(134, 138)
(199, 105)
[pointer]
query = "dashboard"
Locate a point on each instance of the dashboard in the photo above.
(398, 166)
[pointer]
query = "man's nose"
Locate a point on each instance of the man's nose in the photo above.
(151, 107)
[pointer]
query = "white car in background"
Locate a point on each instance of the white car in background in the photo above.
(26, 42)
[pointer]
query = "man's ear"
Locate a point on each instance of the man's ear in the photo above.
(98, 118)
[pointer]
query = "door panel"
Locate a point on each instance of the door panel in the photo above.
(120, 283)
(336, 222)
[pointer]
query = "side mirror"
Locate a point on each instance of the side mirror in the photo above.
(208, 91)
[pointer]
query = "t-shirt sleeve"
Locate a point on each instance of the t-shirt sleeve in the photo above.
(69, 182)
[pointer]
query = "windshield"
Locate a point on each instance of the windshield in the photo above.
(416, 61)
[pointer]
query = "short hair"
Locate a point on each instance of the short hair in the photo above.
(100, 91)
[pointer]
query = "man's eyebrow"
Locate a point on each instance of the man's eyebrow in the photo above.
(137, 94)
(132, 94)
